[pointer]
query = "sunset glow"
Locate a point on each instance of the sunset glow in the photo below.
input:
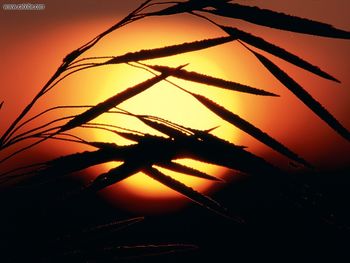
(175, 131)
(168, 102)
(230, 61)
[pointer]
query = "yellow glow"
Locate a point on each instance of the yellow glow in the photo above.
(163, 100)
(166, 101)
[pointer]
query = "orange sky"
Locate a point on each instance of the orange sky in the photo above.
(34, 43)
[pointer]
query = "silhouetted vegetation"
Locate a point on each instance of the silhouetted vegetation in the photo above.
(147, 152)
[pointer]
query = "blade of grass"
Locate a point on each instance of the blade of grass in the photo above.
(161, 125)
(136, 137)
(179, 168)
(212, 81)
(113, 176)
(170, 124)
(79, 161)
(169, 50)
(247, 127)
(130, 136)
(183, 7)
(165, 129)
(276, 50)
(190, 193)
(303, 95)
(216, 151)
(113, 101)
(268, 18)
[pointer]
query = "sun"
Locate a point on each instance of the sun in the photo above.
(168, 102)
(162, 100)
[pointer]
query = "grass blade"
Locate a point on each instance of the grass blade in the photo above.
(183, 7)
(268, 18)
(164, 126)
(179, 168)
(212, 81)
(304, 96)
(220, 152)
(79, 161)
(169, 50)
(130, 136)
(185, 190)
(138, 138)
(277, 51)
(108, 104)
(247, 127)
(102, 145)
(113, 176)
(165, 129)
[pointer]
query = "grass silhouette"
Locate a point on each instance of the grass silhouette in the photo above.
(149, 152)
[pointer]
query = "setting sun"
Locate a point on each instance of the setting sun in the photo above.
(166, 101)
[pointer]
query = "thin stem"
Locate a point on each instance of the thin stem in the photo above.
(67, 60)
(82, 65)
(157, 3)
(68, 74)
(24, 135)
(205, 18)
(22, 150)
(169, 123)
(42, 113)
(73, 136)
(61, 139)
(31, 104)
(97, 127)
(114, 126)
(89, 58)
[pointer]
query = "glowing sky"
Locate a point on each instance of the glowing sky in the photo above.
(34, 43)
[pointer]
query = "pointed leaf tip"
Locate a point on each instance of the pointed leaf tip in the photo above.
(183, 189)
(169, 50)
(276, 51)
(212, 81)
(247, 127)
(179, 168)
(303, 95)
(111, 102)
